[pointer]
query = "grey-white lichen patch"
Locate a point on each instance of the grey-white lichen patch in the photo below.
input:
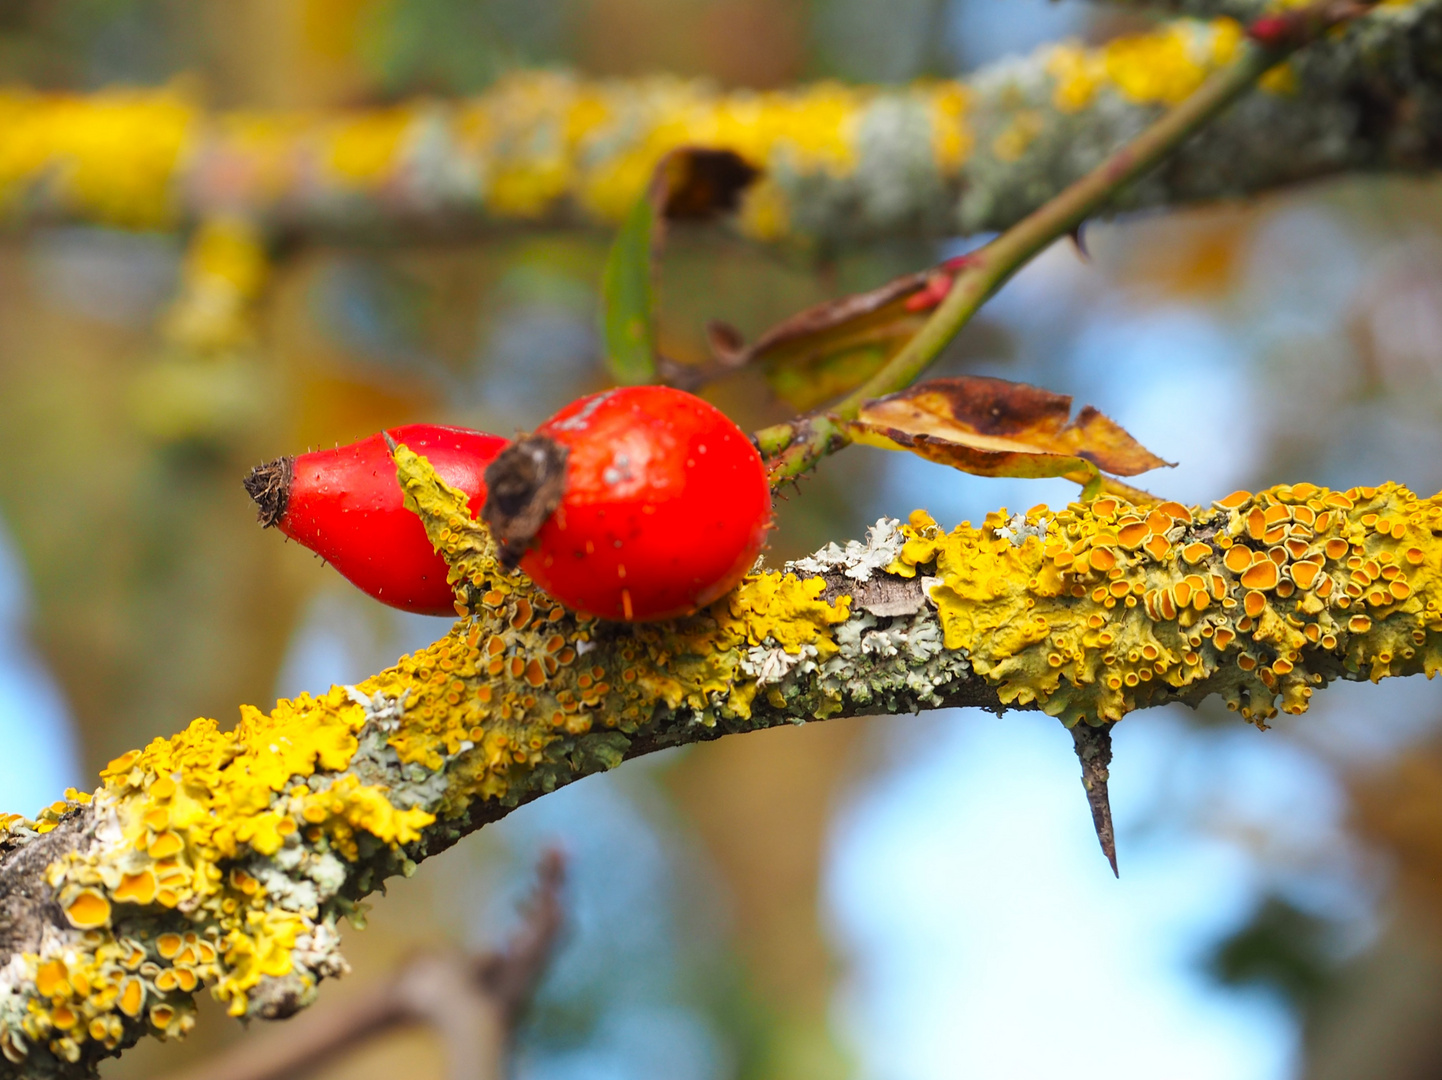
(376, 761)
(890, 652)
(381, 709)
(856, 560)
(291, 891)
(1017, 529)
(319, 951)
(14, 985)
(855, 570)
(770, 664)
(892, 664)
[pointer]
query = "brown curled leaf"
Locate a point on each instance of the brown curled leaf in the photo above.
(992, 427)
(831, 348)
(694, 183)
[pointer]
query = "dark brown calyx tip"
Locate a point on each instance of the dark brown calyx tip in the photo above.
(269, 486)
(523, 487)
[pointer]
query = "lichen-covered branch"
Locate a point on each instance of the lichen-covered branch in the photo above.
(842, 163)
(224, 860)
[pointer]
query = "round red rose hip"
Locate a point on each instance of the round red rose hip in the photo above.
(658, 503)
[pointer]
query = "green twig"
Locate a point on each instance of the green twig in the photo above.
(794, 448)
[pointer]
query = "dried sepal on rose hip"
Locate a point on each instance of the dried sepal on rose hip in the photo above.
(346, 505)
(633, 504)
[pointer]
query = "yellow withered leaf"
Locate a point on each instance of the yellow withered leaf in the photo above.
(992, 427)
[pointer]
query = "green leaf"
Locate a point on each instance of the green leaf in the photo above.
(688, 183)
(629, 299)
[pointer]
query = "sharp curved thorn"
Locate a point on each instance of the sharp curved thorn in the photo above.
(1094, 751)
(1078, 239)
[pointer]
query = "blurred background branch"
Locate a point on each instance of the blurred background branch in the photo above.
(842, 164)
(472, 1002)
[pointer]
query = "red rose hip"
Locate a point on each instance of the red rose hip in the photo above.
(658, 504)
(346, 506)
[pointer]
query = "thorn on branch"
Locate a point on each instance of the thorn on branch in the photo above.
(1094, 751)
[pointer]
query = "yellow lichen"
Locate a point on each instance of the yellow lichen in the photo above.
(516, 677)
(87, 908)
(362, 149)
(483, 707)
(1088, 613)
(112, 156)
(226, 267)
(951, 135)
(1161, 67)
(183, 807)
(534, 144)
(1012, 142)
(1090, 627)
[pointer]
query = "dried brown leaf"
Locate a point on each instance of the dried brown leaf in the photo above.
(833, 347)
(992, 427)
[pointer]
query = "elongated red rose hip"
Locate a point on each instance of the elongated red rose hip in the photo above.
(633, 504)
(346, 506)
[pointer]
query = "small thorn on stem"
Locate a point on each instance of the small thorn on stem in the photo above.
(1094, 751)
(1078, 239)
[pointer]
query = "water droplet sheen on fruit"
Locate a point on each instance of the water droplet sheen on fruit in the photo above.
(346, 505)
(664, 508)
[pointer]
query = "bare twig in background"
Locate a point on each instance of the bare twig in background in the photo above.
(472, 1002)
